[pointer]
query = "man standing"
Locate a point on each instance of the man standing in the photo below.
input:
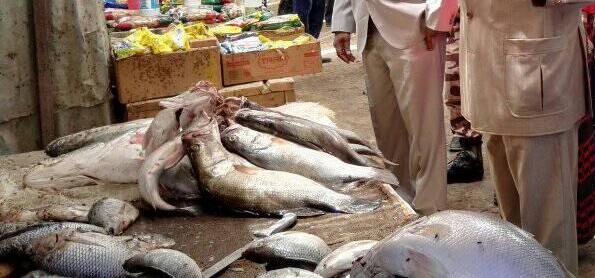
(467, 166)
(311, 13)
(524, 80)
(403, 56)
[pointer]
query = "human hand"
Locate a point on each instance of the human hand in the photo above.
(429, 35)
(342, 45)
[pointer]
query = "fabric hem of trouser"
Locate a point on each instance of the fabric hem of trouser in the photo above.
(496, 133)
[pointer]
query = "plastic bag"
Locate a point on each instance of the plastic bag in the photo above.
(124, 48)
(225, 30)
(198, 31)
(211, 2)
(245, 42)
(231, 11)
(278, 22)
(176, 38)
(115, 14)
(187, 14)
(132, 22)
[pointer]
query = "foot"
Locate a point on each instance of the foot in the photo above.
(326, 60)
(466, 167)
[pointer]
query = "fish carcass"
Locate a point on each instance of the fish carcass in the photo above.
(288, 249)
(163, 263)
(301, 131)
(112, 214)
(258, 190)
(459, 244)
(273, 153)
(341, 259)
(289, 272)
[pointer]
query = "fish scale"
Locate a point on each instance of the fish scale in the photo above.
(287, 248)
(459, 244)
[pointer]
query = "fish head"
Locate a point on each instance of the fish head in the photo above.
(243, 140)
(259, 120)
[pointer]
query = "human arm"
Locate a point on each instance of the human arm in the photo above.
(342, 26)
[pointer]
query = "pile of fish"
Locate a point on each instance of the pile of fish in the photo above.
(446, 244)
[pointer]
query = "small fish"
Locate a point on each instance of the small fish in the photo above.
(166, 263)
(288, 249)
(58, 213)
(288, 220)
(289, 272)
(84, 255)
(301, 131)
(341, 259)
(112, 214)
(16, 243)
(84, 138)
(273, 153)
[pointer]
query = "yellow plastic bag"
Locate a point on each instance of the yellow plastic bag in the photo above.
(176, 38)
(198, 31)
(146, 38)
(224, 30)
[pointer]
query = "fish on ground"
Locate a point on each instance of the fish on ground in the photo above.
(16, 243)
(164, 157)
(102, 134)
(289, 272)
(112, 214)
(287, 221)
(116, 161)
(288, 249)
(163, 128)
(258, 190)
(63, 213)
(165, 263)
(273, 153)
(84, 255)
(301, 131)
(341, 259)
(40, 274)
(459, 244)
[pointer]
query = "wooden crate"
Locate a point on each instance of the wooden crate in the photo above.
(271, 93)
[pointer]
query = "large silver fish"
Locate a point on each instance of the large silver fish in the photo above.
(341, 259)
(273, 153)
(257, 190)
(84, 255)
(112, 214)
(301, 131)
(116, 161)
(165, 263)
(459, 244)
(289, 272)
(288, 249)
(16, 242)
(84, 138)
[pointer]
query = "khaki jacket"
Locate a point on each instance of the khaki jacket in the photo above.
(523, 69)
(400, 22)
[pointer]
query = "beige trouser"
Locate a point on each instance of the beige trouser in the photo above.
(404, 88)
(535, 180)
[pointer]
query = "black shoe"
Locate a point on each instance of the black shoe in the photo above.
(455, 144)
(466, 167)
(326, 60)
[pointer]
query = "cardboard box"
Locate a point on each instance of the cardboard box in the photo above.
(142, 109)
(283, 34)
(281, 84)
(273, 63)
(204, 43)
(152, 76)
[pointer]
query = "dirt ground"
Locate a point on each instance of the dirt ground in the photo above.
(210, 237)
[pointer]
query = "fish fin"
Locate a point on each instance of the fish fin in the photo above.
(303, 212)
(385, 176)
(190, 210)
(174, 158)
(360, 206)
(424, 266)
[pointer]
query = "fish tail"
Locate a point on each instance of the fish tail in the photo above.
(359, 206)
(384, 176)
